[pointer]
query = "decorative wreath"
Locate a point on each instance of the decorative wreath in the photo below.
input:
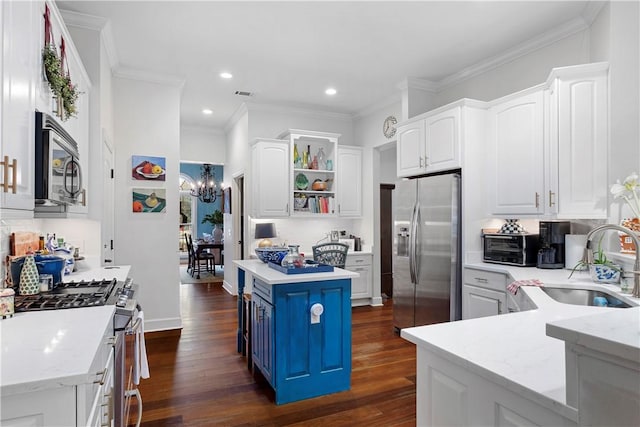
(57, 73)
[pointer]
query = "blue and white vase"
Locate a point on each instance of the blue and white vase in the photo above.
(602, 273)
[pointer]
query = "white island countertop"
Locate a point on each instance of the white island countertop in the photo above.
(262, 271)
(46, 349)
(513, 350)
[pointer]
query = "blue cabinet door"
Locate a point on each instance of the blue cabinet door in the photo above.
(262, 337)
(312, 359)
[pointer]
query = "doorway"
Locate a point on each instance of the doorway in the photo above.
(386, 240)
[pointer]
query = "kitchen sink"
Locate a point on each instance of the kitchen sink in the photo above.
(577, 296)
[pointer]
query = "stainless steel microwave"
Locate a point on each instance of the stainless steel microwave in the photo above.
(511, 249)
(58, 175)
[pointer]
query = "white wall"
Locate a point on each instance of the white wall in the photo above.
(202, 145)
(147, 122)
(624, 75)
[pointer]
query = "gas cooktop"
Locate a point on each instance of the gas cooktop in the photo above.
(71, 295)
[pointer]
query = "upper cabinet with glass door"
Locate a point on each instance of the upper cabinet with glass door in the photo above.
(313, 184)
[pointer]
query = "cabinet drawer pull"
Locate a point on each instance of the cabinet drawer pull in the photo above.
(537, 200)
(5, 176)
(84, 197)
(103, 374)
(421, 162)
(359, 260)
(358, 269)
(551, 196)
(481, 280)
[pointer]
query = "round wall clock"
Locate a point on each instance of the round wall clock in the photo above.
(389, 126)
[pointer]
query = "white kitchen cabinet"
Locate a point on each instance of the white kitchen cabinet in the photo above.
(270, 161)
(547, 147)
(578, 141)
(515, 138)
(349, 177)
(448, 394)
(483, 293)
(19, 67)
(321, 203)
(361, 287)
(84, 400)
(429, 143)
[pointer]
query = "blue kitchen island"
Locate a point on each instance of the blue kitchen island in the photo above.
(300, 326)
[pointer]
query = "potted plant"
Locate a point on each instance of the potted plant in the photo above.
(602, 270)
(217, 220)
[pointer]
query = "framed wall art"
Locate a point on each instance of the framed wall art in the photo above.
(148, 168)
(149, 200)
(226, 200)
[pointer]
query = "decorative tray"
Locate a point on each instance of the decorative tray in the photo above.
(309, 267)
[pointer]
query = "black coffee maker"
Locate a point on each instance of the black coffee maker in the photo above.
(551, 248)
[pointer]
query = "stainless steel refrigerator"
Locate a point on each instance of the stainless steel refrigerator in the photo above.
(426, 270)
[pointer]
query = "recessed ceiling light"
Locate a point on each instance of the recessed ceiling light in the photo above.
(331, 91)
(226, 75)
(207, 111)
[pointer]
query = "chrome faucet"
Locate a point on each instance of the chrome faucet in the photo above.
(587, 258)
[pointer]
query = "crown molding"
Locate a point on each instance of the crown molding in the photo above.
(205, 129)
(378, 106)
(569, 28)
(416, 83)
(237, 114)
(146, 76)
(303, 111)
(592, 10)
(94, 23)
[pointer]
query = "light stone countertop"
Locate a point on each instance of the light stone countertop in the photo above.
(47, 349)
(262, 271)
(514, 351)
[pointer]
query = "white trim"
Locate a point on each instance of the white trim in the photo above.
(166, 324)
(592, 10)
(146, 76)
(237, 114)
(94, 23)
(569, 28)
(378, 106)
(416, 83)
(303, 111)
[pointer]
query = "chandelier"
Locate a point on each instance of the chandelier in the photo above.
(206, 188)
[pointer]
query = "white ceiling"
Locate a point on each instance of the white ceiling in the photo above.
(287, 53)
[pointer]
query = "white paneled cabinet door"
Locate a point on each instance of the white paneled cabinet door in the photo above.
(349, 176)
(515, 163)
(442, 133)
(481, 302)
(410, 148)
(270, 188)
(582, 146)
(19, 67)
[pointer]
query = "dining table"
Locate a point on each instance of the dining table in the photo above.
(201, 245)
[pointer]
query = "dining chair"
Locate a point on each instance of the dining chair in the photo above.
(334, 254)
(200, 258)
(190, 264)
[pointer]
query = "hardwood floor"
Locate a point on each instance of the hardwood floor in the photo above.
(198, 379)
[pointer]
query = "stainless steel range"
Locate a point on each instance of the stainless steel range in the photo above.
(93, 293)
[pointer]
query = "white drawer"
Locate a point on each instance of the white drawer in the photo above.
(485, 279)
(354, 260)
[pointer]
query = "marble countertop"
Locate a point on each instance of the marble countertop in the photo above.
(513, 349)
(269, 275)
(46, 349)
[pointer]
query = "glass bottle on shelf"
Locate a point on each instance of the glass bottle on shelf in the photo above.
(305, 160)
(322, 163)
(309, 158)
(295, 153)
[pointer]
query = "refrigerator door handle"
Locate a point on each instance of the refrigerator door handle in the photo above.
(412, 245)
(416, 237)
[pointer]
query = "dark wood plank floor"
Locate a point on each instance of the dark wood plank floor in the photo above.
(198, 379)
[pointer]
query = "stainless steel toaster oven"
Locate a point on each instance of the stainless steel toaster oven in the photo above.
(511, 249)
